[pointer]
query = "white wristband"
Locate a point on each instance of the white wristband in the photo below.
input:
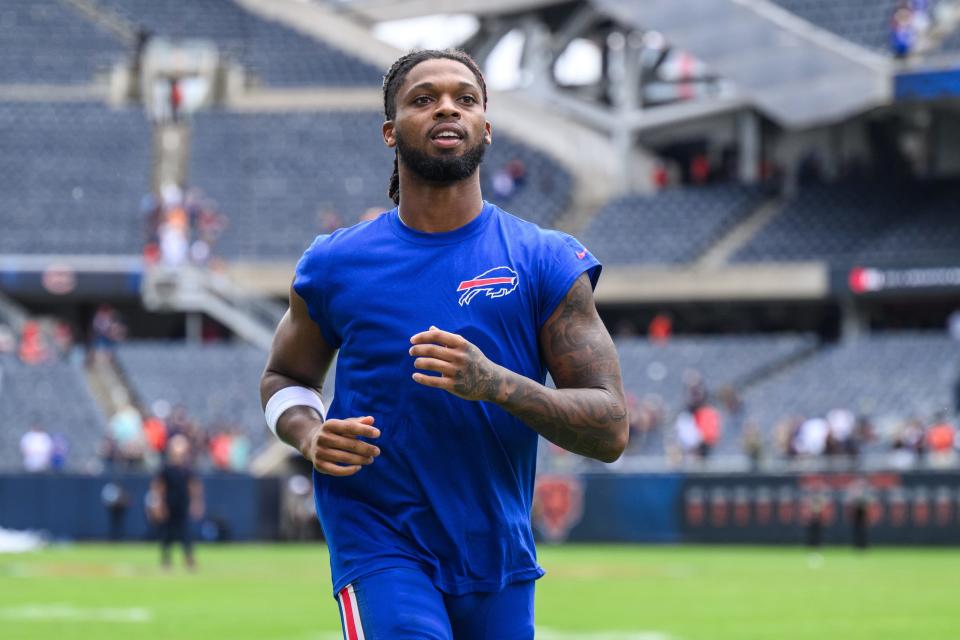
(291, 397)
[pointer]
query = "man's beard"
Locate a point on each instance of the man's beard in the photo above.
(442, 169)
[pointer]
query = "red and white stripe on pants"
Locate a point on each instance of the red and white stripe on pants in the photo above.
(350, 614)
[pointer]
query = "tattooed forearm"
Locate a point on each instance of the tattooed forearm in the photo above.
(476, 380)
(589, 422)
(586, 414)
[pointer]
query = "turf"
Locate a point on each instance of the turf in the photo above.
(590, 593)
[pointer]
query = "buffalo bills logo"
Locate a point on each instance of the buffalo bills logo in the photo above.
(495, 283)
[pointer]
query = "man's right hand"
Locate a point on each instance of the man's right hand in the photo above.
(333, 448)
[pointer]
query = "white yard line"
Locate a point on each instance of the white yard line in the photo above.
(45, 612)
(552, 634)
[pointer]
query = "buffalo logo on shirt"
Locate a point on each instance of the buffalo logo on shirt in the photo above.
(493, 283)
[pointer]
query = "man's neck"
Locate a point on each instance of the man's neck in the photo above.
(435, 208)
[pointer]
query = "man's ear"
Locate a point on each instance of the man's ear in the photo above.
(488, 135)
(389, 137)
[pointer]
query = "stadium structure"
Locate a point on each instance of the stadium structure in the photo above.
(772, 185)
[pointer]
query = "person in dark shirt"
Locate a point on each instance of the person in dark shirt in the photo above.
(177, 497)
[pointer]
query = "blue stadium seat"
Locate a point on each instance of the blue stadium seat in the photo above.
(651, 369)
(216, 383)
(672, 227)
(55, 397)
(71, 178)
(887, 376)
(278, 55)
(873, 222)
(275, 174)
(46, 42)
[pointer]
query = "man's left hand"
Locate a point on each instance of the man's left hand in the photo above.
(464, 370)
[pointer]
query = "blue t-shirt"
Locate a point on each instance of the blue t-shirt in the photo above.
(452, 488)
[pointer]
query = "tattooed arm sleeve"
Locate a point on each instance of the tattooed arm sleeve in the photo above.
(586, 414)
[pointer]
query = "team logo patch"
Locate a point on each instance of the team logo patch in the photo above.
(494, 283)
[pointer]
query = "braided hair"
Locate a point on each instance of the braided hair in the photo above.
(395, 77)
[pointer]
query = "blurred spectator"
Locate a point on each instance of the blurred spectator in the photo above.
(625, 328)
(660, 177)
(840, 437)
(174, 229)
(106, 330)
(239, 451)
(689, 437)
(176, 99)
(509, 179)
(58, 452)
(699, 169)
(902, 30)
(219, 449)
(908, 445)
(180, 423)
(62, 338)
(207, 223)
(660, 329)
(922, 20)
(785, 433)
(298, 516)
(109, 453)
(815, 520)
(753, 444)
(126, 429)
(116, 501)
(811, 438)
(33, 348)
(155, 433)
(177, 497)
(941, 439)
(36, 449)
(328, 220)
(695, 391)
(732, 404)
(709, 425)
(858, 500)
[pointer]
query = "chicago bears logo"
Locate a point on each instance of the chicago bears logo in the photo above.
(557, 505)
(494, 283)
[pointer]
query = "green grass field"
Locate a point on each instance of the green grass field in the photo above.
(590, 593)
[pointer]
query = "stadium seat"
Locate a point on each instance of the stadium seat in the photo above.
(277, 55)
(672, 227)
(47, 42)
(54, 396)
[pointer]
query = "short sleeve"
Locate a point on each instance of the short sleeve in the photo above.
(311, 285)
(563, 259)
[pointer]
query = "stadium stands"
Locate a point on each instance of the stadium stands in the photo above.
(865, 22)
(926, 231)
(651, 369)
(275, 175)
(71, 178)
(54, 396)
(79, 171)
(45, 42)
(216, 384)
(278, 55)
(887, 376)
(867, 221)
(674, 226)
